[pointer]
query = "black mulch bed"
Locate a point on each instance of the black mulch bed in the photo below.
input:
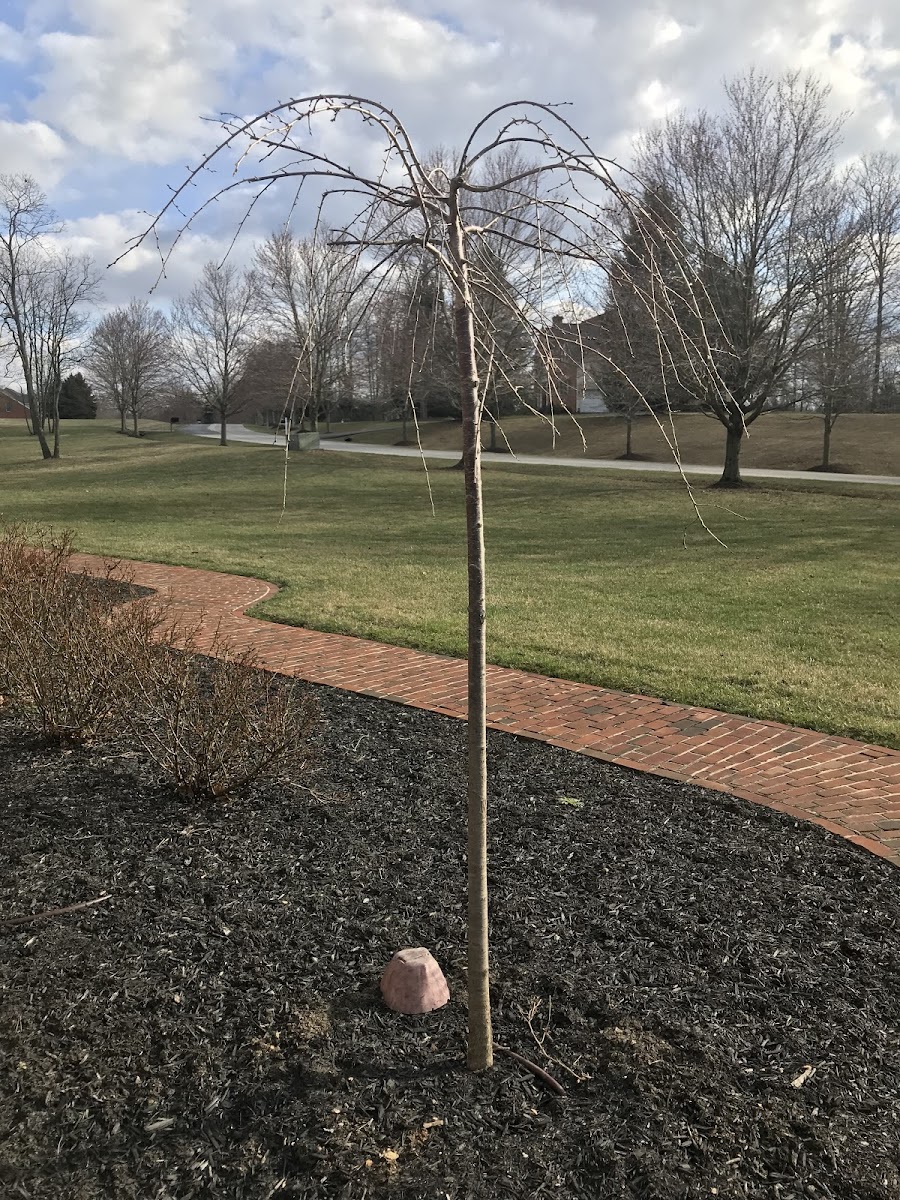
(215, 1029)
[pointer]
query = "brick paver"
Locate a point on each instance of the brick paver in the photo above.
(851, 788)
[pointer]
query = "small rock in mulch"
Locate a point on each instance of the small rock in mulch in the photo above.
(716, 986)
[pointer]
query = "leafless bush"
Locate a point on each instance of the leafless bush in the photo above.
(214, 725)
(64, 638)
(80, 658)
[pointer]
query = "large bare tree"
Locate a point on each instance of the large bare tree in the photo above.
(839, 354)
(42, 292)
(213, 336)
(310, 293)
(408, 206)
(128, 357)
(876, 186)
(744, 184)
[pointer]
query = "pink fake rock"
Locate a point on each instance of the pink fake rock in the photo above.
(413, 982)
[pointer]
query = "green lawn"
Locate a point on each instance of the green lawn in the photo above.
(603, 577)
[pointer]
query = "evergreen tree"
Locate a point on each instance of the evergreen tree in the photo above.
(76, 399)
(646, 365)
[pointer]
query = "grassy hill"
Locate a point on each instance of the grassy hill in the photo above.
(866, 443)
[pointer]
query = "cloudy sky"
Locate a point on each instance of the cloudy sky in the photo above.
(107, 103)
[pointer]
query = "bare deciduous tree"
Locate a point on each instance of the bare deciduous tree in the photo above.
(744, 184)
(407, 206)
(838, 361)
(213, 336)
(42, 290)
(308, 289)
(128, 357)
(876, 184)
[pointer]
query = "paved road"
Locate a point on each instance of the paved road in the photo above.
(238, 433)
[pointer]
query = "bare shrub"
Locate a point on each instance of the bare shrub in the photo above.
(214, 725)
(65, 638)
(80, 658)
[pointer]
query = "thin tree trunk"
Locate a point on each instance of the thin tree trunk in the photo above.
(38, 429)
(223, 433)
(480, 1043)
(731, 473)
(826, 439)
(134, 416)
(879, 338)
(56, 427)
(122, 419)
(628, 422)
(406, 404)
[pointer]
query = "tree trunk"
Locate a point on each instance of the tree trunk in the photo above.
(223, 434)
(480, 1043)
(38, 427)
(122, 419)
(134, 417)
(628, 423)
(406, 404)
(731, 473)
(56, 423)
(826, 440)
(879, 338)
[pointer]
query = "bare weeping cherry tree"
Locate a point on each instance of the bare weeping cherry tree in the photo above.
(482, 226)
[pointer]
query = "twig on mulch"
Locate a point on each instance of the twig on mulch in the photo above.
(5, 922)
(539, 1040)
(537, 1071)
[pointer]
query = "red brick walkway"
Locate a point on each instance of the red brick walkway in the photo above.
(849, 787)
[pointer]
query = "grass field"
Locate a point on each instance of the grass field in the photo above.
(866, 443)
(596, 576)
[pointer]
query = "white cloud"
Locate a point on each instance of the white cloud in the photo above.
(666, 30)
(128, 84)
(135, 82)
(13, 46)
(33, 148)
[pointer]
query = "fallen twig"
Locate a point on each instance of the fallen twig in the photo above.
(537, 1071)
(540, 1040)
(52, 912)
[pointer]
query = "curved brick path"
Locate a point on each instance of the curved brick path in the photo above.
(849, 787)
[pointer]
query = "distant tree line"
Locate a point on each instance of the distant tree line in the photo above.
(796, 263)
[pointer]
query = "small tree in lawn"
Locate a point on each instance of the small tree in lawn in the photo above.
(213, 337)
(445, 211)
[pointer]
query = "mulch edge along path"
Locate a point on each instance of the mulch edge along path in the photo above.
(848, 787)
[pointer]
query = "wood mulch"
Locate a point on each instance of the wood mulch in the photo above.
(715, 984)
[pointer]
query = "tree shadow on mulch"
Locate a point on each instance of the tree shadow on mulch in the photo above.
(716, 985)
